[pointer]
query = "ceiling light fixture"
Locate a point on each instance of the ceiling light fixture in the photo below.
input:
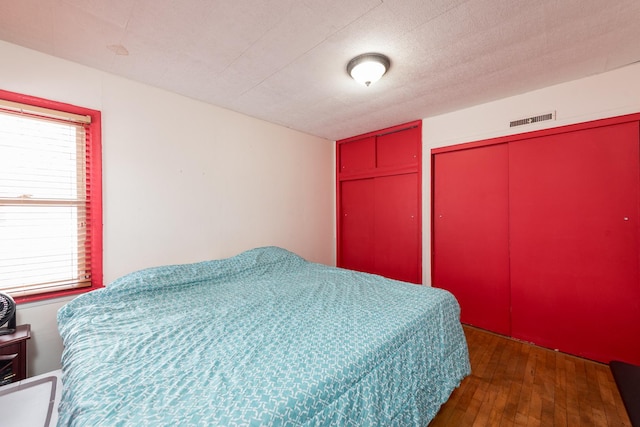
(368, 67)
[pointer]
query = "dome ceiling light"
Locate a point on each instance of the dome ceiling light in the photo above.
(368, 67)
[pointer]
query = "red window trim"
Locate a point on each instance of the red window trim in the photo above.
(96, 189)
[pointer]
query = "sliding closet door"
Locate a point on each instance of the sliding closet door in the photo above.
(397, 232)
(470, 233)
(574, 225)
(380, 226)
(357, 224)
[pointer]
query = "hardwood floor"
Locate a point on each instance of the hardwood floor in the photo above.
(518, 384)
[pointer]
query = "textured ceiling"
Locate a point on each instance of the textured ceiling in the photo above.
(284, 60)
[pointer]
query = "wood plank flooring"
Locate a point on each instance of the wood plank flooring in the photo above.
(519, 384)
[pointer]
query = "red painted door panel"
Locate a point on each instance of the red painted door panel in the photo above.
(397, 235)
(357, 224)
(399, 148)
(358, 155)
(470, 233)
(379, 202)
(574, 224)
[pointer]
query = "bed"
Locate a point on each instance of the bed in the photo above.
(264, 338)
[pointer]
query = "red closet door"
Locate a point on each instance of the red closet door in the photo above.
(470, 233)
(398, 149)
(574, 224)
(397, 220)
(379, 198)
(358, 155)
(357, 201)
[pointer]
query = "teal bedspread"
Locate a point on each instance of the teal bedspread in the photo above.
(261, 339)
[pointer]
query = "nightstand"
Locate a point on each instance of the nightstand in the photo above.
(13, 355)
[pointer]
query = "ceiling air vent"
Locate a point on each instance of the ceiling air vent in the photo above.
(534, 119)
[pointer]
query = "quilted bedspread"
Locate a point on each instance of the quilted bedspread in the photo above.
(264, 338)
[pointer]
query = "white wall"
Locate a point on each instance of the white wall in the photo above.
(183, 181)
(605, 95)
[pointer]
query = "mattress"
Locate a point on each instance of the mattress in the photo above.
(262, 338)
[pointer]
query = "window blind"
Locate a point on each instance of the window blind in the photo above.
(45, 212)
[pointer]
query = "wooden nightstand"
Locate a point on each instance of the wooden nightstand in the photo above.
(13, 355)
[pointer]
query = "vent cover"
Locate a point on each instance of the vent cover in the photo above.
(534, 119)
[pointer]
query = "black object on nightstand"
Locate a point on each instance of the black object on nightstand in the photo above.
(13, 355)
(7, 314)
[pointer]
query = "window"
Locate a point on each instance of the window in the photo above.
(50, 198)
